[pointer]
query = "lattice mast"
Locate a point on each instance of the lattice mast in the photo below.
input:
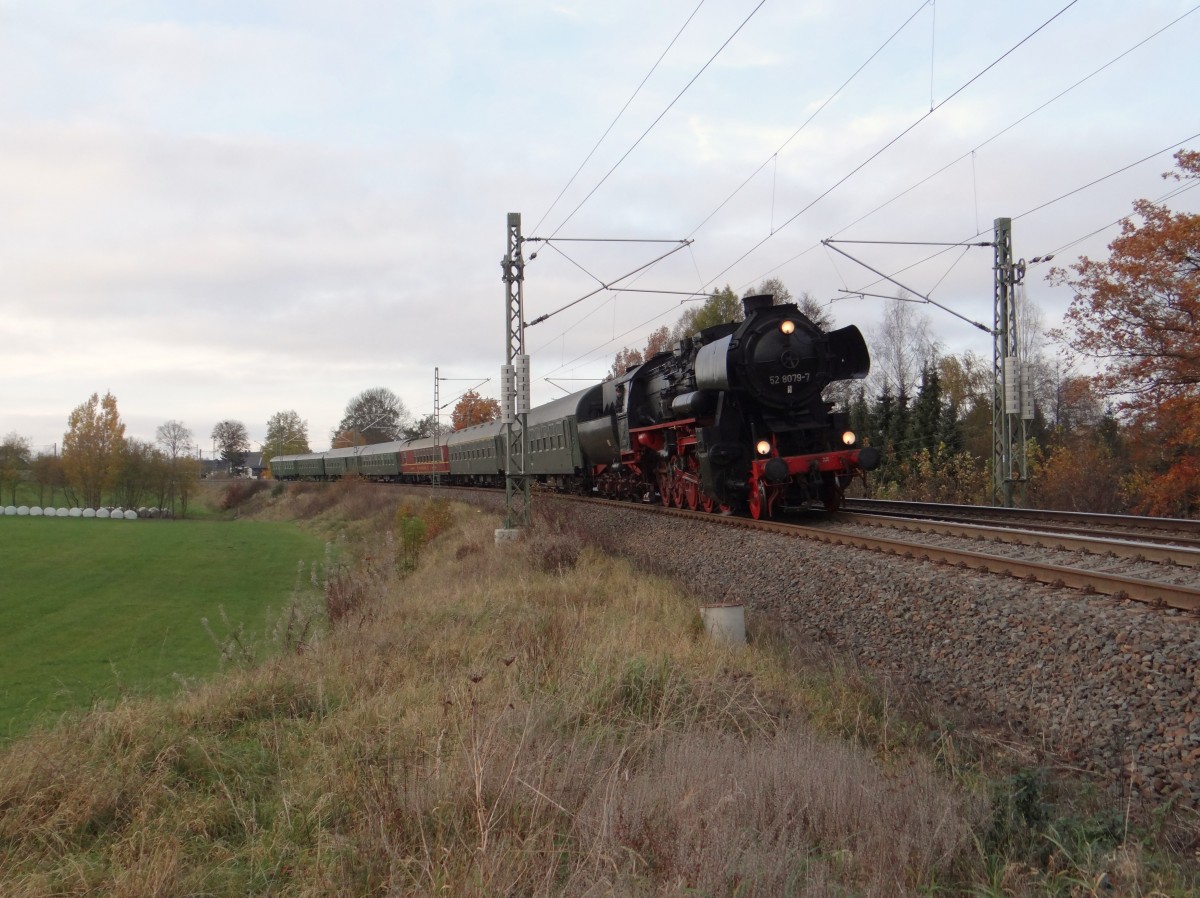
(435, 477)
(514, 379)
(1010, 462)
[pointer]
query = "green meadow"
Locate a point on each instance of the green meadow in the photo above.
(94, 609)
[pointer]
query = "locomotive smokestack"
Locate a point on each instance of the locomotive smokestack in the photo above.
(753, 304)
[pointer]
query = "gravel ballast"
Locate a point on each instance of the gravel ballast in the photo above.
(1108, 686)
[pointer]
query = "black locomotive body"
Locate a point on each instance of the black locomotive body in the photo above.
(733, 417)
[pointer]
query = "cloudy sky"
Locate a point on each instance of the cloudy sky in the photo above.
(227, 209)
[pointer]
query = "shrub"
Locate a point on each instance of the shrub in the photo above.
(239, 492)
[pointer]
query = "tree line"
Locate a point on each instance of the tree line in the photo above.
(100, 463)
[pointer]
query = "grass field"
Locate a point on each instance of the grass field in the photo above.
(91, 609)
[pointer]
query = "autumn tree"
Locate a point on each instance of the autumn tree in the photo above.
(377, 415)
(139, 468)
(287, 434)
(233, 441)
(188, 483)
(473, 409)
(15, 456)
(92, 447)
(1138, 316)
(721, 307)
(658, 341)
(966, 382)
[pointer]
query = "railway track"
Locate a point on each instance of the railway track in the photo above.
(1173, 531)
(1144, 570)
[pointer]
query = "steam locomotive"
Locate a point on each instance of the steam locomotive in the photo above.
(731, 419)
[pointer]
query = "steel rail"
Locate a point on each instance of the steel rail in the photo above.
(1077, 520)
(1047, 539)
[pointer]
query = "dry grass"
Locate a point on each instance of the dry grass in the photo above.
(480, 726)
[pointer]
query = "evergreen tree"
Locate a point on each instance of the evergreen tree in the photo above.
(860, 418)
(949, 432)
(926, 411)
(881, 418)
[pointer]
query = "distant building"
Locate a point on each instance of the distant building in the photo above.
(218, 469)
(252, 465)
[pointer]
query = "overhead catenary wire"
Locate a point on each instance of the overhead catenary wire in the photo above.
(783, 146)
(612, 124)
(660, 116)
(971, 153)
(1111, 174)
(1170, 194)
(894, 140)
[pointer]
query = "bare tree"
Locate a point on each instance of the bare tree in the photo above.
(175, 439)
(377, 415)
(900, 346)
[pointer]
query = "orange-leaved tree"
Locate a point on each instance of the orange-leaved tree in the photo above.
(93, 447)
(627, 358)
(1138, 315)
(473, 409)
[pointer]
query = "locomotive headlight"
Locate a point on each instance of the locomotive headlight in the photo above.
(787, 326)
(849, 437)
(763, 447)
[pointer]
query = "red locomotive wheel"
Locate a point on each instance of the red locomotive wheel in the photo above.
(691, 493)
(677, 489)
(664, 489)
